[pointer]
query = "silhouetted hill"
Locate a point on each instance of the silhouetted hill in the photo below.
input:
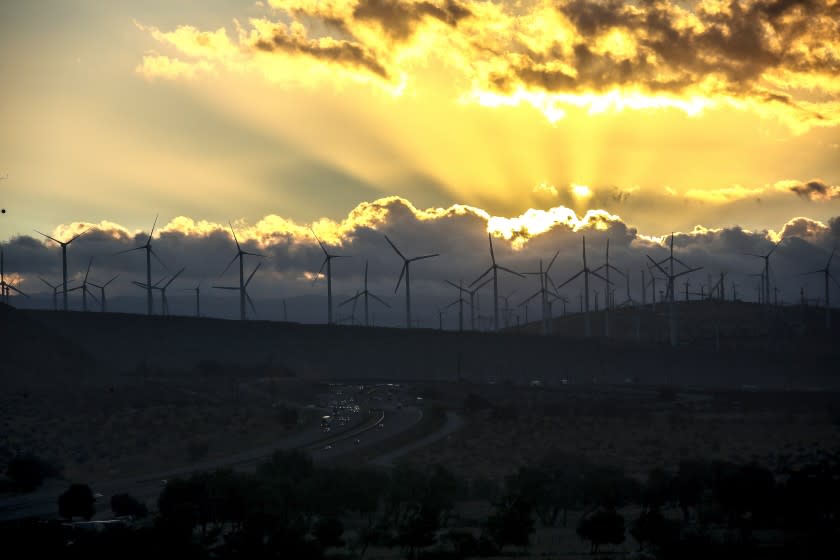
(122, 343)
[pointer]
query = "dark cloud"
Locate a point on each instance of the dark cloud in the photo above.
(338, 51)
(737, 44)
(815, 190)
(399, 18)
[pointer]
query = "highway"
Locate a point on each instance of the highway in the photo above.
(322, 447)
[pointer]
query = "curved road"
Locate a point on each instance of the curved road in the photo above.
(322, 449)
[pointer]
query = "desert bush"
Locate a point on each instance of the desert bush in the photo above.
(77, 501)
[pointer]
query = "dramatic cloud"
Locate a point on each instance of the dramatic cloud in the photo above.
(779, 58)
(814, 190)
(459, 233)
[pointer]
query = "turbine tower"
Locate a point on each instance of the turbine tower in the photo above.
(243, 295)
(102, 302)
(364, 292)
(406, 271)
(147, 246)
(586, 273)
(494, 268)
(64, 245)
(328, 263)
(670, 276)
(826, 270)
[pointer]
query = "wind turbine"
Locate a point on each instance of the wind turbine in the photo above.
(147, 246)
(164, 303)
(243, 287)
(826, 270)
(607, 292)
(328, 263)
(766, 258)
(102, 302)
(460, 301)
(670, 275)
(64, 245)
(494, 268)
(407, 273)
(364, 292)
(197, 291)
(55, 288)
(545, 280)
(243, 295)
(586, 273)
(5, 287)
(84, 287)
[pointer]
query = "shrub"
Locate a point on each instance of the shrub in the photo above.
(77, 501)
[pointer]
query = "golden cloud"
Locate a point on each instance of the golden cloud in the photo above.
(779, 59)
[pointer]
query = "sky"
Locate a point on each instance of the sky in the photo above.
(435, 120)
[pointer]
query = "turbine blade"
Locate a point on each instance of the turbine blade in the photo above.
(402, 272)
(251, 303)
(596, 275)
(835, 280)
(90, 263)
(656, 264)
(111, 280)
(16, 290)
(129, 250)
(500, 267)
(229, 265)
(157, 258)
(529, 298)
(47, 283)
(256, 268)
(828, 264)
(614, 269)
(689, 271)
(551, 281)
(90, 293)
(492, 254)
(485, 273)
(151, 233)
(391, 243)
(348, 300)
(177, 274)
(49, 237)
(551, 262)
(324, 249)
(226, 287)
(235, 240)
(803, 273)
(75, 237)
(424, 257)
(380, 300)
(572, 278)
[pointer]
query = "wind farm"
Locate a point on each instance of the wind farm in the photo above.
(424, 280)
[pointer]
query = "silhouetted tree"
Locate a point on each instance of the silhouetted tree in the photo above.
(602, 527)
(77, 501)
(511, 522)
(651, 527)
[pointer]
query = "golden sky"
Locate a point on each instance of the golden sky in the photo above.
(668, 114)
